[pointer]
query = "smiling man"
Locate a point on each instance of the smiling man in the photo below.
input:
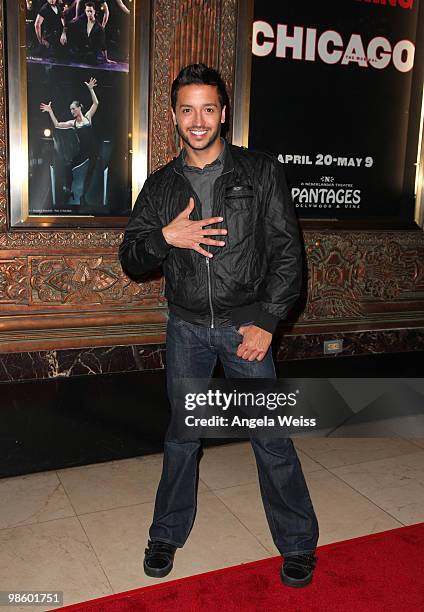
(220, 222)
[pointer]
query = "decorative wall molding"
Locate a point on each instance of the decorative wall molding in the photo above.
(227, 46)
(13, 281)
(90, 240)
(88, 280)
(3, 134)
(163, 17)
(353, 275)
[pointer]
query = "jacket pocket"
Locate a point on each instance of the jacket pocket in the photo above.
(239, 196)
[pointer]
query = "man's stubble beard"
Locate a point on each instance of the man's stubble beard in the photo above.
(214, 137)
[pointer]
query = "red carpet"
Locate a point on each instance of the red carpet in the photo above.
(381, 572)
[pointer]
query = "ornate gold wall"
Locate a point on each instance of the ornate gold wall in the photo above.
(364, 279)
(65, 288)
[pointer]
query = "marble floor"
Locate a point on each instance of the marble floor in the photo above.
(83, 530)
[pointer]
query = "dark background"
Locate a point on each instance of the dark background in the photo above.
(305, 107)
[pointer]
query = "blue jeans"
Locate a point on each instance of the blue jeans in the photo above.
(192, 352)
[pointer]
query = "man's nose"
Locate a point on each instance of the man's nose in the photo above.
(197, 117)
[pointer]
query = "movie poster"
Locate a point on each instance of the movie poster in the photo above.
(330, 97)
(78, 93)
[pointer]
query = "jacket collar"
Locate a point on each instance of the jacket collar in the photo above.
(228, 160)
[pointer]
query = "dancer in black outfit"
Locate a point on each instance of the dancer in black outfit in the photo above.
(101, 10)
(88, 40)
(50, 28)
(88, 147)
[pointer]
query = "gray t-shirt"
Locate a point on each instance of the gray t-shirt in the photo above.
(202, 180)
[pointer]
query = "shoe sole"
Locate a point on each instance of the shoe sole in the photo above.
(157, 572)
(299, 583)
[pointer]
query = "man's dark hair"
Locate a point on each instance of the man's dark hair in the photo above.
(198, 74)
(90, 3)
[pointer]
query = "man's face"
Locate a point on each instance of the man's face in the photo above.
(90, 12)
(52, 2)
(198, 115)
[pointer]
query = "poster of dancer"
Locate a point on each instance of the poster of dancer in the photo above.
(76, 65)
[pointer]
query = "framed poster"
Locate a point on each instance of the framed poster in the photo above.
(336, 95)
(77, 114)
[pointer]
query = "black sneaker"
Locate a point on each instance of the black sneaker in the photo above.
(297, 570)
(158, 559)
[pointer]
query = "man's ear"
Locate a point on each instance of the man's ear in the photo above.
(223, 114)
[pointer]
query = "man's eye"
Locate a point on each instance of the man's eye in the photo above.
(209, 110)
(186, 110)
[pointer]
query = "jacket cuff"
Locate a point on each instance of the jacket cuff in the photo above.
(156, 244)
(267, 321)
(253, 313)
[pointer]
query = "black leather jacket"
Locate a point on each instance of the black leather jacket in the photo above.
(256, 276)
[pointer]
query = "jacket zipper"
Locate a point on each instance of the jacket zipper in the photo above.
(208, 270)
(208, 264)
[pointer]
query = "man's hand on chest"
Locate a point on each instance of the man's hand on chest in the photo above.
(184, 233)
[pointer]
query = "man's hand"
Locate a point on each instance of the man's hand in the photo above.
(256, 342)
(186, 234)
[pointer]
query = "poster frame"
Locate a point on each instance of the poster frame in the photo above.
(19, 216)
(412, 214)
